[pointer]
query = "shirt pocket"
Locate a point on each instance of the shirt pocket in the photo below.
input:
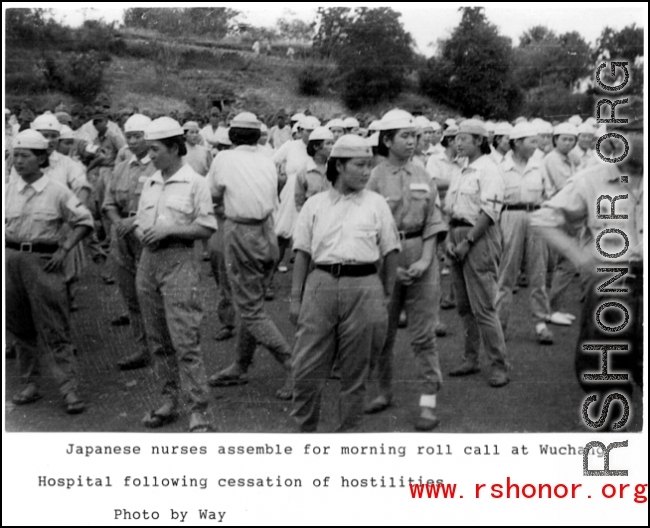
(181, 209)
(365, 237)
(46, 224)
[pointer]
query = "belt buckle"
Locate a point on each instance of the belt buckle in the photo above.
(336, 270)
(26, 247)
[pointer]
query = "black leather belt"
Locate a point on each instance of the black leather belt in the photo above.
(171, 242)
(413, 234)
(28, 247)
(521, 207)
(454, 222)
(248, 221)
(348, 270)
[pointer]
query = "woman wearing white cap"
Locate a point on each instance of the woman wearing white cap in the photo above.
(558, 167)
(198, 156)
(544, 138)
(336, 127)
(312, 179)
(501, 142)
(473, 203)
(175, 209)
(120, 206)
(36, 247)
(244, 180)
(424, 134)
(351, 125)
(340, 307)
(291, 158)
(526, 187)
(263, 143)
(584, 155)
(415, 206)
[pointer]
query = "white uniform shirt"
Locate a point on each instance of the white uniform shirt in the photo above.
(356, 228)
(478, 187)
(64, 170)
(248, 182)
(530, 186)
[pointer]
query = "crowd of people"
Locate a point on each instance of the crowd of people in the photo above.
(374, 210)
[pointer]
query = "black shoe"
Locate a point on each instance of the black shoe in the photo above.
(137, 361)
(465, 369)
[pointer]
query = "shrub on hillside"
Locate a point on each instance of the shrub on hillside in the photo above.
(555, 102)
(78, 74)
(313, 80)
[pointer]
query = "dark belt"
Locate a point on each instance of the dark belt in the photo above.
(413, 234)
(172, 242)
(28, 247)
(248, 221)
(521, 207)
(128, 215)
(348, 270)
(454, 222)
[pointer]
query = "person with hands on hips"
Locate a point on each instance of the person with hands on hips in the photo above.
(414, 204)
(37, 244)
(340, 306)
(473, 202)
(175, 209)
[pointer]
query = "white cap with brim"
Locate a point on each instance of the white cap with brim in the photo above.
(137, 123)
(30, 139)
(189, 125)
(565, 128)
(162, 128)
(395, 120)
(374, 125)
(298, 116)
(351, 146)
(246, 120)
(337, 122)
(543, 127)
(503, 129)
(585, 128)
(450, 122)
(46, 122)
(309, 123)
(350, 122)
(422, 122)
(524, 130)
(66, 132)
(321, 134)
(591, 121)
(490, 126)
(222, 136)
(473, 126)
(450, 131)
(575, 120)
(435, 125)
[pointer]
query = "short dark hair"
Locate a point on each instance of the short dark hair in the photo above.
(314, 146)
(244, 136)
(485, 144)
(45, 163)
(496, 140)
(179, 141)
(512, 144)
(555, 136)
(382, 149)
(446, 139)
(332, 173)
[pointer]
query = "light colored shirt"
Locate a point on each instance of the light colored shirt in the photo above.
(412, 199)
(88, 132)
(279, 136)
(499, 158)
(248, 182)
(291, 157)
(310, 181)
(267, 149)
(125, 187)
(583, 159)
(63, 170)
(109, 145)
(199, 158)
(183, 200)
(357, 228)
(574, 208)
(558, 168)
(478, 187)
(525, 186)
(213, 136)
(37, 213)
(442, 170)
(538, 155)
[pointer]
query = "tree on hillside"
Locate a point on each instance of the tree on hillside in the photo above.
(623, 45)
(210, 21)
(473, 70)
(295, 29)
(373, 51)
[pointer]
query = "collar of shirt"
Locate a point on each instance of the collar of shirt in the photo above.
(336, 196)
(181, 176)
(312, 167)
(144, 161)
(393, 169)
(581, 153)
(509, 164)
(564, 157)
(248, 148)
(38, 185)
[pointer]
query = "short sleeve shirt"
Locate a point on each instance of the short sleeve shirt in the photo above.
(583, 159)
(356, 228)
(558, 168)
(184, 199)
(37, 213)
(292, 157)
(125, 187)
(478, 187)
(310, 181)
(279, 136)
(412, 198)
(574, 208)
(199, 158)
(442, 170)
(528, 186)
(248, 182)
(63, 170)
